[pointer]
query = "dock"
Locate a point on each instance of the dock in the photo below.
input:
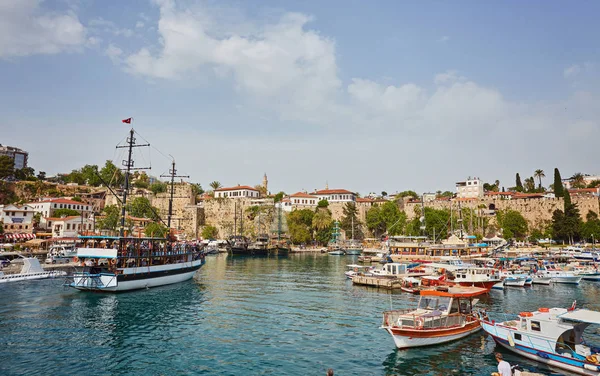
(382, 282)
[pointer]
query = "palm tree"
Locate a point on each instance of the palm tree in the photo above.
(215, 185)
(539, 173)
(322, 219)
(578, 180)
(529, 184)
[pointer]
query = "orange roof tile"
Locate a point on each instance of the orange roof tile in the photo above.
(333, 191)
(59, 201)
(364, 199)
(303, 194)
(62, 219)
(239, 187)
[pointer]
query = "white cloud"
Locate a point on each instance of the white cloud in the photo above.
(26, 29)
(444, 39)
(577, 69)
(139, 25)
(102, 25)
(450, 76)
(283, 60)
(114, 53)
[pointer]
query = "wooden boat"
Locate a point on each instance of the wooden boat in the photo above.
(440, 317)
(552, 336)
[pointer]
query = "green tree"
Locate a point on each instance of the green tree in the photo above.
(403, 194)
(278, 197)
(7, 166)
(41, 175)
(350, 222)
(140, 207)
(26, 173)
(158, 187)
(197, 189)
(322, 203)
(529, 184)
(594, 184)
(156, 230)
(59, 213)
(558, 186)
(590, 229)
(447, 194)
(374, 222)
(77, 198)
(90, 175)
(75, 177)
(518, 185)
(322, 225)
(578, 180)
(513, 224)
(539, 173)
(383, 193)
(112, 175)
(300, 224)
(215, 185)
(110, 220)
(37, 218)
(210, 232)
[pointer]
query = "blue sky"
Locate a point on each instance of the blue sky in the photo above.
(373, 96)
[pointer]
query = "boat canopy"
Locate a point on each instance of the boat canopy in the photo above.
(466, 292)
(97, 253)
(582, 315)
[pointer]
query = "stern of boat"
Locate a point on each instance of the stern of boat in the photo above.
(93, 282)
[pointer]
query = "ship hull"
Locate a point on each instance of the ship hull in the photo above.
(404, 339)
(136, 278)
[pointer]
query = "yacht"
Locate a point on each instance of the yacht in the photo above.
(31, 269)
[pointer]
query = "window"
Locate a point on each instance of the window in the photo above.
(535, 326)
(68, 226)
(518, 336)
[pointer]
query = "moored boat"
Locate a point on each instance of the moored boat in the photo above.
(441, 316)
(30, 270)
(552, 336)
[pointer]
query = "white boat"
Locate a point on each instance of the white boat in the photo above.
(515, 281)
(338, 252)
(134, 263)
(559, 276)
(61, 253)
(440, 317)
(31, 270)
(552, 336)
(354, 269)
(541, 280)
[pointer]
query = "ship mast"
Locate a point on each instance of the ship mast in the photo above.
(128, 168)
(172, 175)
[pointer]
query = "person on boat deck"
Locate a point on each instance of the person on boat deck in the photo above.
(503, 366)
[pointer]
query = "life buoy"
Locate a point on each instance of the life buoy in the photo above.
(113, 261)
(419, 323)
(592, 359)
(75, 259)
(543, 309)
(525, 314)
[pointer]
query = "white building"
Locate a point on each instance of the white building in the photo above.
(335, 195)
(18, 156)
(471, 188)
(304, 200)
(17, 219)
(67, 227)
(429, 197)
(241, 191)
(47, 207)
(285, 204)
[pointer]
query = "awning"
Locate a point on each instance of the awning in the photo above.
(19, 236)
(582, 315)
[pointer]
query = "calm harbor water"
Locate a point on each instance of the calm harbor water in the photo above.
(296, 315)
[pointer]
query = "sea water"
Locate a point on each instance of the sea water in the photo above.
(295, 315)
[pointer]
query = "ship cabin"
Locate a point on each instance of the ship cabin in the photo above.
(112, 254)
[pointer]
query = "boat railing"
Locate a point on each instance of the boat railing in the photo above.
(426, 320)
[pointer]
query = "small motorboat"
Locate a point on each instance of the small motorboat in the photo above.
(515, 281)
(411, 285)
(441, 316)
(337, 252)
(31, 270)
(541, 280)
(552, 336)
(354, 269)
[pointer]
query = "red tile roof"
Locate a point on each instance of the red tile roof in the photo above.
(239, 187)
(364, 199)
(333, 191)
(62, 219)
(492, 193)
(584, 190)
(528, 195)
(303, 194)
(59, 201)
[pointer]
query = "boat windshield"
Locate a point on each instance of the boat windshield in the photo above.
(439, 303)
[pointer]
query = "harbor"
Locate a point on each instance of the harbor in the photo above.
(308, 317)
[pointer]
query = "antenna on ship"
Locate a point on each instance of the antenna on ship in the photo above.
(129, 163)
(172, 175)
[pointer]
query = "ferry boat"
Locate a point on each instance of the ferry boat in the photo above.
(123, 263)
(553, 336)
(440, 317)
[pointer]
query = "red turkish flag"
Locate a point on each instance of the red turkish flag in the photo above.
(127, 121)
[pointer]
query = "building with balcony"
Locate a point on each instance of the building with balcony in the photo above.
(18, 156)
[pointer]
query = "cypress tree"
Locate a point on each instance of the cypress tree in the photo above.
(567, 199)
(519, 185)
(559, 191)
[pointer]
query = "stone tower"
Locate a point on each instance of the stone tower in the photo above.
(265, 183)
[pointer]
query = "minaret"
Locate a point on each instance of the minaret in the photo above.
(265, 183)
(326, 186)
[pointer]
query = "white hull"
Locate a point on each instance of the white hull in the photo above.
(542, 281)
(30, 276)
(590, 277)
(549, 362)
(572, 280)
(515, 282)
(403, 342)
(109, 282)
